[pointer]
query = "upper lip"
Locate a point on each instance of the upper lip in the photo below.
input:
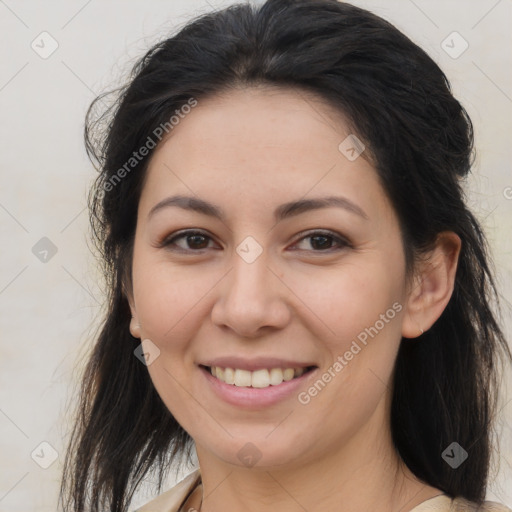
(256, 363)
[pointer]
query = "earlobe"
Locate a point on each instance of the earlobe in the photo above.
(135, 327)
(134, 322)
(433, 287)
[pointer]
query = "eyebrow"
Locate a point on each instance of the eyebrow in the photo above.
(282, 212)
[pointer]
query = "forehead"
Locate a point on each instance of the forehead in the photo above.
(261, 118)
(260, 146)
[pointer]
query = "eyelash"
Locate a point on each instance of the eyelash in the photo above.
(342, 242)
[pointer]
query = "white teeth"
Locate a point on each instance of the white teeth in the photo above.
(276, 376)
(229, 376)
(288, 374)
(257, 379)
(242, 378)
(260, 379)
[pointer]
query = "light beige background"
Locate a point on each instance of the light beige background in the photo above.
(48, 309)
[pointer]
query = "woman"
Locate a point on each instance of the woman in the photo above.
(297, 289)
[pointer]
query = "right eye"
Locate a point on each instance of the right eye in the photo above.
(194, 241)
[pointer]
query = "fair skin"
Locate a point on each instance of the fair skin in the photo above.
(248, 152)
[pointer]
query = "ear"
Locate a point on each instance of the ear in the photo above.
(433, 285)
(134, 322)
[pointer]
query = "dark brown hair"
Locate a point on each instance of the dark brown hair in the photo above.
(399, 104)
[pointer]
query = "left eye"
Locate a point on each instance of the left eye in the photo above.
(321, 241)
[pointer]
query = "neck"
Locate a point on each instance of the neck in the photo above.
(363, 473)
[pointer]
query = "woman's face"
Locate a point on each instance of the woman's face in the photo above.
(267, 284)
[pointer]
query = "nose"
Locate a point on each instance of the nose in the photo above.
(251, 299)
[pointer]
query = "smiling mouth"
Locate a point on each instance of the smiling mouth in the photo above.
(256, 379)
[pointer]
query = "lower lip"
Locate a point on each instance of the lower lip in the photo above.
(251, 398)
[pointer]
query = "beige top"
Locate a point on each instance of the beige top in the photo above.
(174, 500)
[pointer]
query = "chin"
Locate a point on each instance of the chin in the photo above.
(256, 452)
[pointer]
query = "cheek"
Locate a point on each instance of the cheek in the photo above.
(169, 302)
(345, 300)
(361, 305)
(167, 298)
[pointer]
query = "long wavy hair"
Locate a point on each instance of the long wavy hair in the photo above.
(399, 103)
